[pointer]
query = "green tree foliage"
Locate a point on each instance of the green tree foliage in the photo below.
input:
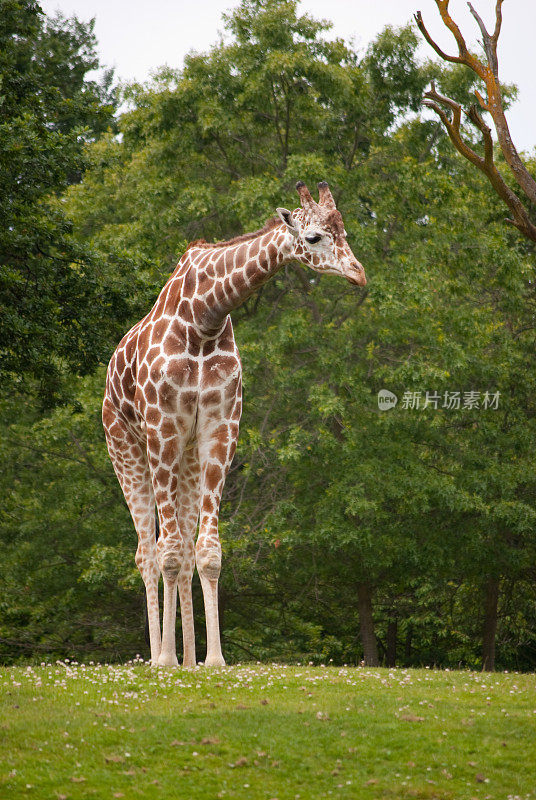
(334, 510)
(50, 285)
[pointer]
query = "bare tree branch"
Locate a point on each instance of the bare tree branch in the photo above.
(493, 103)
(498, 21)
(439, 51)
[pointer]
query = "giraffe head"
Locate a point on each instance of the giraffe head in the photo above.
(319, 235)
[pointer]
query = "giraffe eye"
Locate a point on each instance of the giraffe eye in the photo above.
(313, 238)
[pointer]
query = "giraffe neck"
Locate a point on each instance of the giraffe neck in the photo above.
(228, 274)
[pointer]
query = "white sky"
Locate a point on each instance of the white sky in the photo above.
(138, 36)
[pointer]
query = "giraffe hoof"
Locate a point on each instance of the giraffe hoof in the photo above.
(167, 660)
(214, 661)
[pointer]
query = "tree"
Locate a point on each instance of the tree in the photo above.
(55, 293)
(450, 113)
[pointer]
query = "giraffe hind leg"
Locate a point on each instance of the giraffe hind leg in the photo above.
(147, 633)
(129, 460)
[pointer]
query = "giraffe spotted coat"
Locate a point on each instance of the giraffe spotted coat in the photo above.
(173, 401)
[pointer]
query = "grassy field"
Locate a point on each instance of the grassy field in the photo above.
(259, 731)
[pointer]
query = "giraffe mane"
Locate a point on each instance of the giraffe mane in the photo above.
(269, 225)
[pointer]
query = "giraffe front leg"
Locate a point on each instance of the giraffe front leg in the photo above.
(214, 468)
(218, 417)
(170, 573)
(164, 459)
(208, 561)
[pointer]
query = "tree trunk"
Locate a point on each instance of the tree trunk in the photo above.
(366, 623)
(390, 654)
(407, 646)
(491, 602)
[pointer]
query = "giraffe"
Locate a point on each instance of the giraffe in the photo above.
(173, 401)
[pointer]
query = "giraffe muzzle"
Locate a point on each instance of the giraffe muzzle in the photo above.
(356, 274)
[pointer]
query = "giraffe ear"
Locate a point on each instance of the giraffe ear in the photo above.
(286, 217)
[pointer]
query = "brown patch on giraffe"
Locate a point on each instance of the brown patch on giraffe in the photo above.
(153, 416)
(208, 505)
(254, 248)
(221, 297)
(228, 286)
(136, 452)
(185, 311)
(162, 476)
(251, 271)
(226, 344)
(169, 452)
(172, 299)
(168, 428)
(334, 223)
(208, 347)
(225, 263)
(128, 411)
(183, 372)
(212, 476)
(108, 415)
(188, 402)
(241, 254)
(152, 355)
(120, 361)
(215, 368)
(159, 330)
(167, 511)
(143, 374)
(116, 381)
(219, 451)
(200, 310)
(221, 433)
(204, 282)
(139, 400)
(153, 447)
(237, 411)
(167, 397)
(143, 344)
(130, 349)
(188, 284)
(229, 395)
(211, 398)
(128, 385)
(150, 394)
(194, 344)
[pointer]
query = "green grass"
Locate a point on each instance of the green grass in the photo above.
(259, 731)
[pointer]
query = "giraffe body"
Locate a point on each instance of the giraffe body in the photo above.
(173, 401)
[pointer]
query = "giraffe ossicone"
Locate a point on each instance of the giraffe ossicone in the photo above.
(173, 402)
